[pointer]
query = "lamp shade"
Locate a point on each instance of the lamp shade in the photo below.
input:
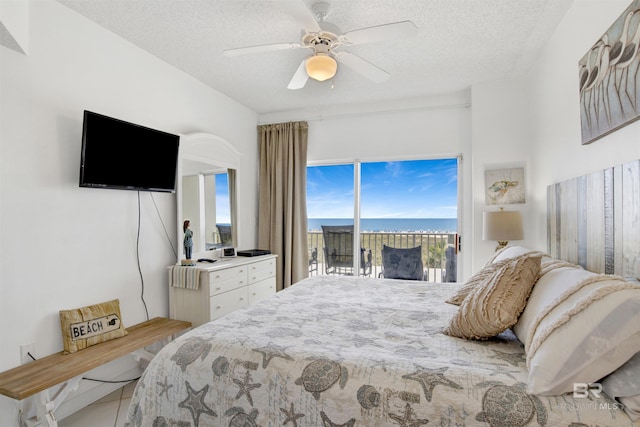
(502, 226)
(321, 67)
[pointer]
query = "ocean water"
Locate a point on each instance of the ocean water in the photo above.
(430, 225)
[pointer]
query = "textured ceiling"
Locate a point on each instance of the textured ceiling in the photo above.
(459, 43)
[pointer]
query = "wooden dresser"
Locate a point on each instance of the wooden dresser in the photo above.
(224, 286)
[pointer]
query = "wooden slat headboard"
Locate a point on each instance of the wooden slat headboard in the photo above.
(594, 220)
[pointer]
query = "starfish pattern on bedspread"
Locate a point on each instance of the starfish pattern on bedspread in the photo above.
(245, 387)
(164, 387)
(407, 419)
(291, 415)
(195, 403)
(269, 352)
(429, 378)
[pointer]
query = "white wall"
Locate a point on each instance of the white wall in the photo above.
(500, 140)
(63, 246)
(556, 150)
(535, 122)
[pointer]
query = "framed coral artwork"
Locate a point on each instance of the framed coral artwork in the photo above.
(504, 186)
(609, 78)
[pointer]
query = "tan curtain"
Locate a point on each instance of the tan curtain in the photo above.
(282, 220)
(233, 205)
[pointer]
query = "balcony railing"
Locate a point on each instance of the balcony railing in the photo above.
(434, 251)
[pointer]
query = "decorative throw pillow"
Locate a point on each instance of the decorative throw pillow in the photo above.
(402, 263)
(578, 327)
(477, 279)
(495, 262)
(494, 305)
(87, 326)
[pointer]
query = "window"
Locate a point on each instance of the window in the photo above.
(398, 203)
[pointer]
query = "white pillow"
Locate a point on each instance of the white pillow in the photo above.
(511, 252)
(577, 327)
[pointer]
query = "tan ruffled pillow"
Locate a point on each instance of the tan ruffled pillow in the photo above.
(91, 325)
(495, 305)
(477, 279)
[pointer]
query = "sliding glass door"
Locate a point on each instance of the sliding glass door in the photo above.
(408, 204)
(360, 207)
(330, 204)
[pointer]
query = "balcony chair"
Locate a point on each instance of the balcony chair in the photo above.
(403, 263)
(449, 274)
(338, 251)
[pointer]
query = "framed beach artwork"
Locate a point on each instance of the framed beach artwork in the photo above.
(504, 186)
(609, 76)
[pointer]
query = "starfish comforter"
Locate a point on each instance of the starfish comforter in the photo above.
(333, 351)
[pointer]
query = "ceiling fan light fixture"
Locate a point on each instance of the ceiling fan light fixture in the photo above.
(321, 67)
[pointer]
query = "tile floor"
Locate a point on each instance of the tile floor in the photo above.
(110, 411)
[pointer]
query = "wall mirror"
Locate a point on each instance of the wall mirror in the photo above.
(206, 193)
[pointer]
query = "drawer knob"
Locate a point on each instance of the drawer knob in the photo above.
(218, 308)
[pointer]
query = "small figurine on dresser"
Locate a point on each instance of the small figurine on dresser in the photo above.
(188, 239)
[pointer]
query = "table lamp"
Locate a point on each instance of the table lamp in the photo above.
(502, 226)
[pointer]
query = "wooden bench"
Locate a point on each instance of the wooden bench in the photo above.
(33, 379)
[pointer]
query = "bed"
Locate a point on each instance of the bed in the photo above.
(352, 351)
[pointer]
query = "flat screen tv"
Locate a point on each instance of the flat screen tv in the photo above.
(122, 155)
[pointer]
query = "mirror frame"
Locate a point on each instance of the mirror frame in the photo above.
(211, 150)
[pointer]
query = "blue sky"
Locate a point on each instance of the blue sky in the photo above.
(404, 189)
(223, 209)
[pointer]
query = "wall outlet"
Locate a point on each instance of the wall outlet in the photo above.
(25, 349)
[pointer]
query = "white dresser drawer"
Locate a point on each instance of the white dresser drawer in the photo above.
(262, 265)
(261, 271)
(219, 287)
(227, 280)
(228, 274)
(227, 302)
(261, 290)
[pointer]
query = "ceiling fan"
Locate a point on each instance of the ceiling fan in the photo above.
(325, 40)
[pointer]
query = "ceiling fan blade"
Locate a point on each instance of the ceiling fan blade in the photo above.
(301, 13)
(395, 31)
(260, 49)
(300, 78)
(362, 66)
